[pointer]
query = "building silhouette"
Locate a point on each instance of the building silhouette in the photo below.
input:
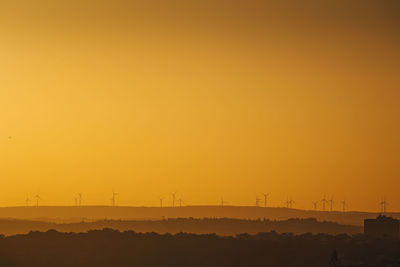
(382, 227)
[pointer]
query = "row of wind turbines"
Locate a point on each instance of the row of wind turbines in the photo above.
(258, 201)
(78, 200)
(290, 203)
(28, 200)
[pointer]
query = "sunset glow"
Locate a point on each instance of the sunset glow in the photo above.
(209, 99)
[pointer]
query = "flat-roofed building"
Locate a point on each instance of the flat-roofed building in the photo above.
(382, 227)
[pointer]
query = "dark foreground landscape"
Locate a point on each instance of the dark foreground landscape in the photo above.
(219, 226)
(113, 248)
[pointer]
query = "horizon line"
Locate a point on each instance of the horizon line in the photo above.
(195, 206)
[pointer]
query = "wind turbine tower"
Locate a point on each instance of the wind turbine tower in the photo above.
(383, 205)
(324, 201)
(80, 199)
(113, 198)
(331, 203)
(265, 199)
(173, 199)
(344, 205)
(257, 201)
(161, 201)
(223, 202)
(180, 200)
(27, 200)
(37, 200)
(315, 203)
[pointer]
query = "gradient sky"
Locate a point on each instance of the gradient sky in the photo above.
(209, 98)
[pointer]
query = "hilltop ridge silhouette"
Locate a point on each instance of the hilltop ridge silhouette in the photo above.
(76, 213)
(220, 226)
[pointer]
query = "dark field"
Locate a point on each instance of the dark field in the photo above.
(113, 248)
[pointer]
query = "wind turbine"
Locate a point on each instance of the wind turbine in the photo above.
(27, 200)
(257, 201)
(344, 204)
(223, 202)
(324, 201)
(173, 199)
(331, 203)
(113, 198)
(315, 203)
(266, 198)
(37, 200)
(161, 201)
(80, 199)
(76, 201)
(180, 202)
(383, 205)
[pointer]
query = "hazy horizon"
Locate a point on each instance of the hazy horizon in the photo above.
(336, 208)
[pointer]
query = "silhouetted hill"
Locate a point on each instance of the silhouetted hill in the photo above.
(112, 248)
(222, 227)
(75, 214)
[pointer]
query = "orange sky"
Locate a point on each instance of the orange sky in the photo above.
(207, 98)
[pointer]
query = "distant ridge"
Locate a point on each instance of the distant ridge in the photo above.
(78, 213)
(220, 226)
